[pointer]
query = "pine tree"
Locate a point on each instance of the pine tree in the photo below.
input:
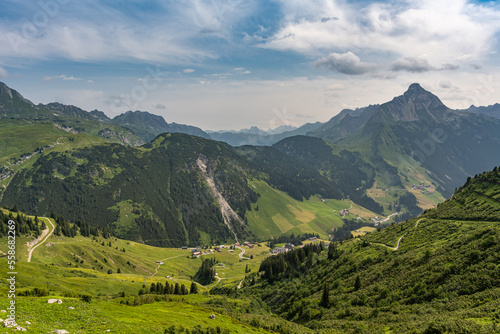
(357, 283)
(177, 289)
(194, 288)
(325, 298)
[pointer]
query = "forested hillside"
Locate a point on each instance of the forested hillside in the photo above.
(156, 193)
(478, 199)
(432, 274)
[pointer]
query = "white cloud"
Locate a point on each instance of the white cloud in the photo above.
(441, 31)
(3, 73)
(418, 65)
(48, 78)
(100, 31)
(411, 64)
(239, 68)
(188, 70)
(346, 63)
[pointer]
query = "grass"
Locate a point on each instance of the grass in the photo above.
(81, 264)
(276, 213)
(363, 231)
(69, 267)
(103, 314)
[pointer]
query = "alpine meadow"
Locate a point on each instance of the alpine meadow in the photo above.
(220, 167)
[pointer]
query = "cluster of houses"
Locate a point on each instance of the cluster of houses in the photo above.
(344, 212)
(198, 251)
(284, 249)
(424, 189)
(246, 244)
(376, 220)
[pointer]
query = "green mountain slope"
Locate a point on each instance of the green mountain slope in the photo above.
(432, 274)
(157, 193)
(478, 199)
(13, 106)
(105, 285)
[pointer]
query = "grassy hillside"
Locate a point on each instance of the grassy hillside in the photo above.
(426, 275)
(478, 199)
(68, 268)
(276, 213)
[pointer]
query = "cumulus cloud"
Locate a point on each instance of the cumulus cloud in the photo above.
(346, 63)
(411, 64)
(3, 73)
(441, 31)
(418, 65)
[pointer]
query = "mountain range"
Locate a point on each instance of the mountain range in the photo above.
(128, 175)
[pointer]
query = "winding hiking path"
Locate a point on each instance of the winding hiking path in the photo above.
(389, 216)
(45, 235)
(168, 258)
(399, 240)
(242, 252)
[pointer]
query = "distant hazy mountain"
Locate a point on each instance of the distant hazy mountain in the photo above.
(68, 110)
(68, 118)
(492, 110)
(14, 105)
(256, 136)
(148, 126)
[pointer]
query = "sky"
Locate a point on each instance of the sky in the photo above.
(232, 64)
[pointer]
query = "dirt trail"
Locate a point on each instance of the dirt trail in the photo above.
(228, 213)
(167, 258)
(242, 252)
(41, 239)
(399, 240)
(389, 216)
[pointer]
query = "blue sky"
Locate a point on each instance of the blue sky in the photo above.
(229, 64)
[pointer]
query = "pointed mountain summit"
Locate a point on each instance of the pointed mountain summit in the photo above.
(416, 129)
(416, 104)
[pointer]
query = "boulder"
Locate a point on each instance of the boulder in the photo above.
(8, 323)
(53, 301)
(60, 331)
(212, 316)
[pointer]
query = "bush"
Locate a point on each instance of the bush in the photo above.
(87, 298)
